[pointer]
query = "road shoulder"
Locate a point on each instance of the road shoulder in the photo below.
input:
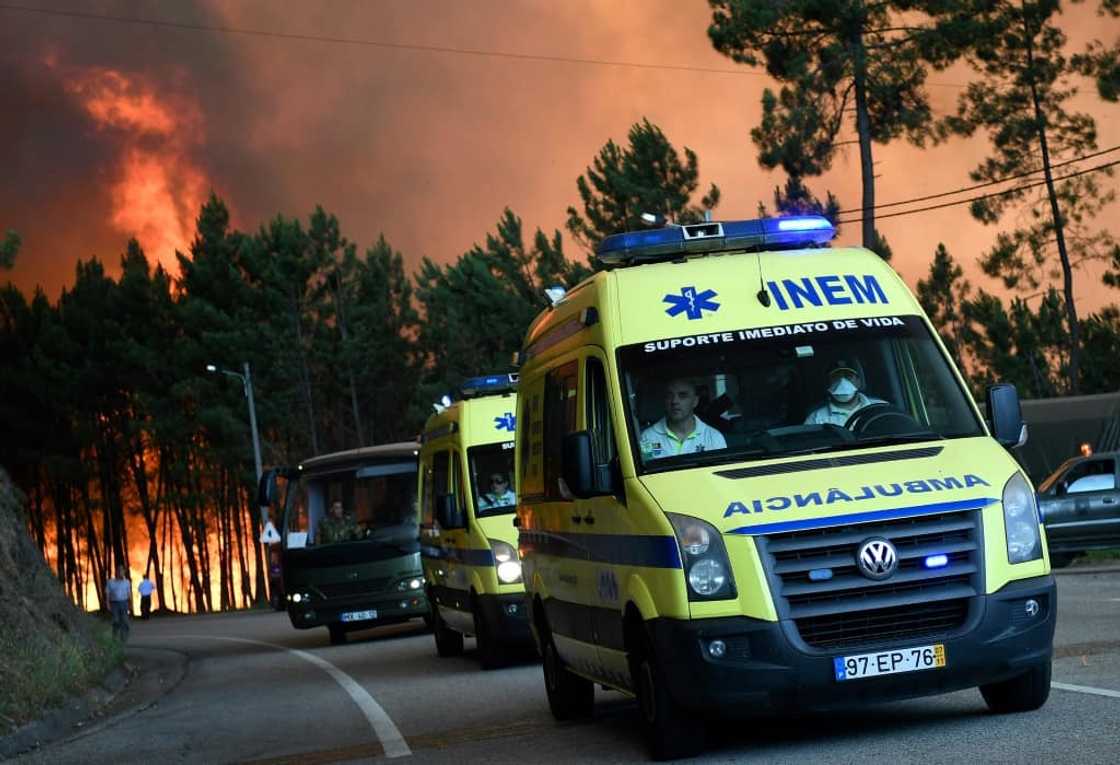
(146, 675)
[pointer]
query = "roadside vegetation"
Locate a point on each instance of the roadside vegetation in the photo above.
(50, 649)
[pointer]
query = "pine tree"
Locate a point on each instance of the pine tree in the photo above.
(840, 63)
(647, 176)
(942, 297)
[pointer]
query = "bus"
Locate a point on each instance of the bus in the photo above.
(349, 538)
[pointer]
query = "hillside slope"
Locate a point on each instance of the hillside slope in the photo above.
(48, 647)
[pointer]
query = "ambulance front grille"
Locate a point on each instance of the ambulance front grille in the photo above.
(841, 607)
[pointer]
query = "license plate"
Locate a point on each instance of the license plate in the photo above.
(889, 662)
(358, 616)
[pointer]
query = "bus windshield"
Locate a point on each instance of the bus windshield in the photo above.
(492, 478)
(373, 503)
(791, 389)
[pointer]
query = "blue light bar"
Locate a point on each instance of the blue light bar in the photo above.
(937, 561)
(488, 385)
(674, 241)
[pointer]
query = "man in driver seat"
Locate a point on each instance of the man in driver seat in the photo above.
(844, 397)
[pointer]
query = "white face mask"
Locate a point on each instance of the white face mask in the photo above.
(843, 390)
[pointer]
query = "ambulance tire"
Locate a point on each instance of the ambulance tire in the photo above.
(338, 634)
(569, 696)
(671, 733)
(488, 646)
(1024, 693)
(448, 642)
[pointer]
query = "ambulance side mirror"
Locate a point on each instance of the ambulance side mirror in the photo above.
(583, 477)
(448, 513)
(266, 489)
(1005, 416)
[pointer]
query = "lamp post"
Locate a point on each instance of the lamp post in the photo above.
(247, 385)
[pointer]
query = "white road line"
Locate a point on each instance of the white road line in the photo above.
(1086, 689)
(387, 733)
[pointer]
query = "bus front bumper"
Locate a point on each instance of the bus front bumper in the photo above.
(766, 665)
(359, 613)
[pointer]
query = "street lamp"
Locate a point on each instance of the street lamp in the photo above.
(247, 385)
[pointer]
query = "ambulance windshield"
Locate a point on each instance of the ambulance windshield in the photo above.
(790, 389)
(492, 474)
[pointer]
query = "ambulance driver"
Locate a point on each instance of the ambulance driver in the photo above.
(844, 397)
(679, 431)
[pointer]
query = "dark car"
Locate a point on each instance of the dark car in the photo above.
(1080, 506)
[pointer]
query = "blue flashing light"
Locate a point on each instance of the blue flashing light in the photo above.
(675, 241)
(488, 385)
(937, 561)
(820, 574)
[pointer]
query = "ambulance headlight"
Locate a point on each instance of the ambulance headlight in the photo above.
(707, 569)
(506, 561)
(1020, 521)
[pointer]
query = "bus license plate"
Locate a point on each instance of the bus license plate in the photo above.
(889, 662)
(358, 616)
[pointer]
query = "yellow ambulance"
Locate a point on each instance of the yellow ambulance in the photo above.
(750, 476)
(468, 540)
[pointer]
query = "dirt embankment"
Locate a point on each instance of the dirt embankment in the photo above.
(49, 649)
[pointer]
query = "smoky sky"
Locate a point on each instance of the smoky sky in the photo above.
(425, 147)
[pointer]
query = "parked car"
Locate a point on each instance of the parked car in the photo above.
(1080, 506)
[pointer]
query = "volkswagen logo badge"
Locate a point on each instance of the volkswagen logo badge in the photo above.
(877, 559)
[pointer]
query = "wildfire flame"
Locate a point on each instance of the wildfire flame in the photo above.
(157, 187)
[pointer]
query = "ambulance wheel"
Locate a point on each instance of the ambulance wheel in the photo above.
(489, 648)
(670, 732)
(448, 641)
(338, 634)
(1024, 693)
(569, 696)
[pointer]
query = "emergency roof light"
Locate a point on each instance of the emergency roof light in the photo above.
(488, 385)
(795, 232)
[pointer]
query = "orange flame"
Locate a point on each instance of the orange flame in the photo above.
(158, 188)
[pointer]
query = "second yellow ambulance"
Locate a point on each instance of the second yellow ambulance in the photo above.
(468, 540)
(750, 476)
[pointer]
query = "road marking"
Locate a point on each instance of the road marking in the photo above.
(392, 742)
(1086, 689)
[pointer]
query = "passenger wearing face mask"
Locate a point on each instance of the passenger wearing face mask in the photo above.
(844, 398)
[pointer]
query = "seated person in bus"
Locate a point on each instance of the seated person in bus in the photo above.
(338, 526)
(499, 493)
(680, 431)
(845, 397)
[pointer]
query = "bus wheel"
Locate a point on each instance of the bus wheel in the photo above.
(1024, 693)
(448, 641)
(338, 634)
(489, 649)
(670, 732)
(569, 696)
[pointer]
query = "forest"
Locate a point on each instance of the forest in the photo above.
(129, 451)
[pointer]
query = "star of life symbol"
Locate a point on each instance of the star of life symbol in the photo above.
(691, 303)
(506, 422)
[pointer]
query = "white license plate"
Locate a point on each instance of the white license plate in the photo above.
(889, 662)
(358, 616)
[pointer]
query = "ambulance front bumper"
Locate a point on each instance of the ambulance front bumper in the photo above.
(766, 663)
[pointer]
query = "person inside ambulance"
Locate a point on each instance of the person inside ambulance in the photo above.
(680, 431)
(499, 494)
(845, 397)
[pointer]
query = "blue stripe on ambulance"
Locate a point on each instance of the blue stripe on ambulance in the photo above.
(618, 549)
(874, 515)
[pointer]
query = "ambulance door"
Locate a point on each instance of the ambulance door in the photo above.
(607, 518)
(560, 535)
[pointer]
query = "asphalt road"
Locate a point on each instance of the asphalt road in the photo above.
(256, 690)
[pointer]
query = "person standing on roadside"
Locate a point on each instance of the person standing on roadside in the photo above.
(145, 589)
(118, 592)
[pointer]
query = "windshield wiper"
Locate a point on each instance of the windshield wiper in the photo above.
(865, 443)
(698, 459)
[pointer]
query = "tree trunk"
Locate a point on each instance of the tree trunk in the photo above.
(863, 129)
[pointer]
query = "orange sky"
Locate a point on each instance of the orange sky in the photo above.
(123, 128)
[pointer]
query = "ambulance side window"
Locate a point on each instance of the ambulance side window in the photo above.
(530, 432)
(457, 482)
(599, 413)
(560, 399)
(441, 469)
(427, 497)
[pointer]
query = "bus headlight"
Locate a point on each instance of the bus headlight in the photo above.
(707, 569)
(506, 561)
(1020, 521)
(415, 583)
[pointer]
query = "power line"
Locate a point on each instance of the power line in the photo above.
(1005, 192)
(981, 185)
(390, 45)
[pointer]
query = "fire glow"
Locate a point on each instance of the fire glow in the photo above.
(157, 188)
